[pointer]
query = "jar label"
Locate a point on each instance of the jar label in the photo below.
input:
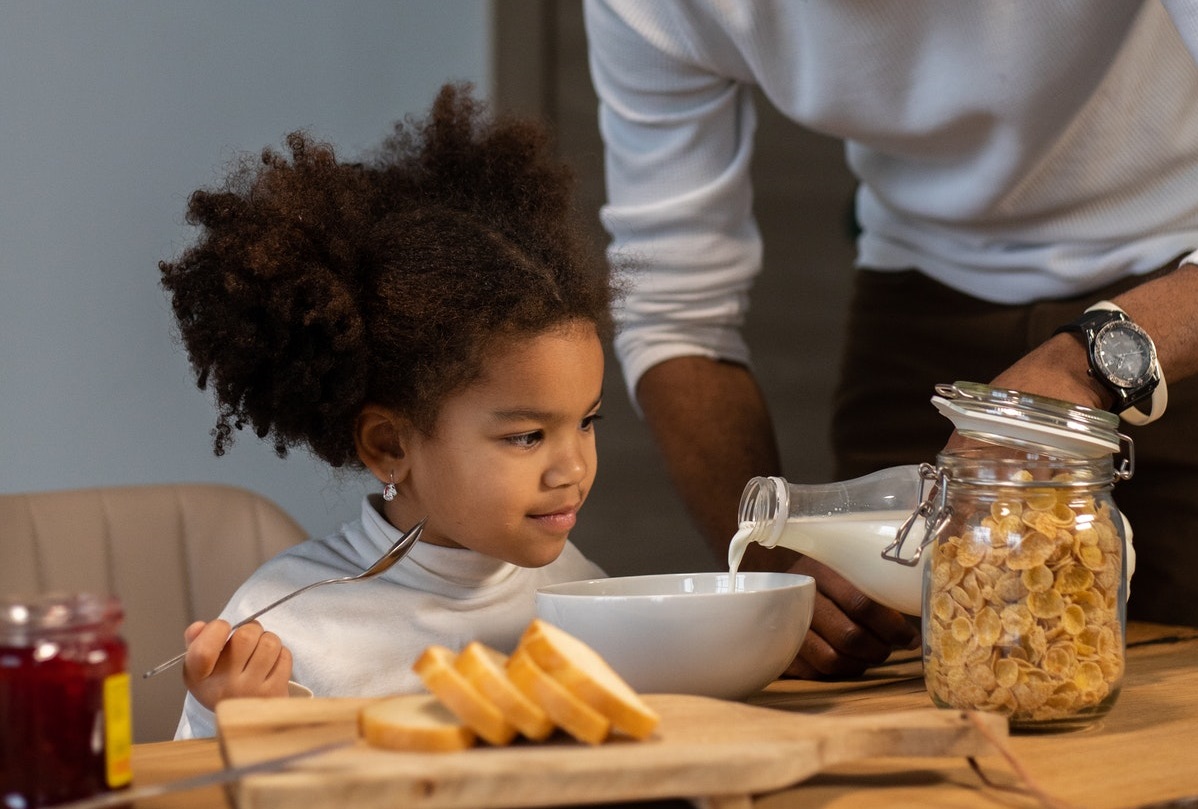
(118, 730)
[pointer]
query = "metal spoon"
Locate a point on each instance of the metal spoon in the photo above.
(393, 555)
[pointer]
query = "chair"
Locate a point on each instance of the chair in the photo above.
(173, 553)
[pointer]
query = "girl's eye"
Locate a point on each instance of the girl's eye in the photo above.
(525, 439)
(588, 423)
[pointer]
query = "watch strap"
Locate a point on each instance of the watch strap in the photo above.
(1160, 395)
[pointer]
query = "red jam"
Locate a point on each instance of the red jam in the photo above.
(64, 699)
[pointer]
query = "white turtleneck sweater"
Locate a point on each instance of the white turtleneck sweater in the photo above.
(361, 639)
(1013, 150)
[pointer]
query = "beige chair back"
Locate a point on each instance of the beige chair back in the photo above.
(173, 553)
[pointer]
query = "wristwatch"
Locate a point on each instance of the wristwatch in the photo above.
(1122, 359)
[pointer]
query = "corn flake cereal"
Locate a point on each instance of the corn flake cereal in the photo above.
(1034, 549)
(1037, 579)
(988, 626)
(1073, 619)
(1024, 613)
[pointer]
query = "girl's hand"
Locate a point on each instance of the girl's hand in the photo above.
(251, 663)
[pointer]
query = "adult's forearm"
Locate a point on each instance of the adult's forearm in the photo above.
(711, 423)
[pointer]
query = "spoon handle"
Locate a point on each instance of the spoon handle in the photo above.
(397, 552)
(288, 597)
(161, 667)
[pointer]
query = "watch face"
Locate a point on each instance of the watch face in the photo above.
(1125, 353)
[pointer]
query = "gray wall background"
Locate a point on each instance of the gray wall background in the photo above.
(111, 113)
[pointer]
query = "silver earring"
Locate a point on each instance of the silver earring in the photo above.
(389, 490)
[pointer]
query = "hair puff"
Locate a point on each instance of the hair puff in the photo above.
(317, 286)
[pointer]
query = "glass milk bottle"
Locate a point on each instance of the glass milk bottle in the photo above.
(848, 526)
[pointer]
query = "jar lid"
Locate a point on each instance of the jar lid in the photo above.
(23, 616)
(1037, 423)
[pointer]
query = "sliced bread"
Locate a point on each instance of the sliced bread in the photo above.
(569, 712)
(413, 722)
(436, 669)
(485, 667)
(584, 673)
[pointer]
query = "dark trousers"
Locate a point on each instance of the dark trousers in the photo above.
(906, 333)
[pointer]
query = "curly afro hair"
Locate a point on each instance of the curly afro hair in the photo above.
(318, 286)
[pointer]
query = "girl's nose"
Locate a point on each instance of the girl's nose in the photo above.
(570, 465)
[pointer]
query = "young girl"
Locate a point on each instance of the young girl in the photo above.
(435, 316)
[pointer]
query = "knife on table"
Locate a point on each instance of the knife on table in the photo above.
(124, 797)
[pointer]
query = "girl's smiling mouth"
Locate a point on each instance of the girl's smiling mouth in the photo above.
(561, 520)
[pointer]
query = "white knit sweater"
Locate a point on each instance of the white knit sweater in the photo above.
(1013, 150)
(361, 639)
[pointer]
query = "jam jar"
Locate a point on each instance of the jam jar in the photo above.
(1025, 592)
(64, 699)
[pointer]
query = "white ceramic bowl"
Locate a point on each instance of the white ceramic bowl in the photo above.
(685, 633)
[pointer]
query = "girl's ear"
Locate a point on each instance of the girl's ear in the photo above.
(381, 437)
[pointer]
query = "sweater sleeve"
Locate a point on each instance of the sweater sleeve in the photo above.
(678, 139)
(197, 722)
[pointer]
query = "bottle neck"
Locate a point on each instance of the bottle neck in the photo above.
(764, 508)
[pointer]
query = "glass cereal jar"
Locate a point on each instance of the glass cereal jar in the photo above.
(64, 696)
(1025, 592)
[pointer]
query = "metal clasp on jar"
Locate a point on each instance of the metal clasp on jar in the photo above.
(935, 511)
(1128, 467)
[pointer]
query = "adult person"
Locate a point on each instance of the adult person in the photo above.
(1017, 163)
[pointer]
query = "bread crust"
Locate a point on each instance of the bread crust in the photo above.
(582, 671)
(484, 668)
(569, 712)
(436, 669)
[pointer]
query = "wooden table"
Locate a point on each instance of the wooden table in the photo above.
(1142, 753)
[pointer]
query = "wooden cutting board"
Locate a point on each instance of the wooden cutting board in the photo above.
(704, 748)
